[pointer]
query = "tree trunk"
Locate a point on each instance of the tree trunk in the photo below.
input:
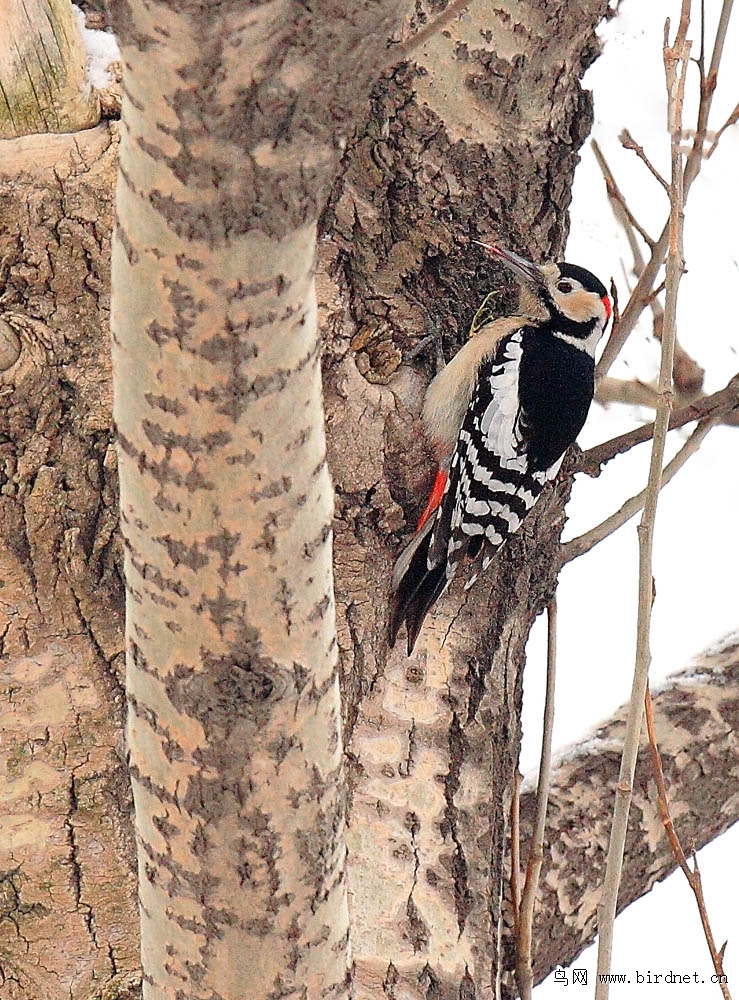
(234, 728)
(477, 141)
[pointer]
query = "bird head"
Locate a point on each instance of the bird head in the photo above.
(575, 301)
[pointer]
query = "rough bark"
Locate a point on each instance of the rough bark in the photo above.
(479, 139)
(67, 879)
(43, 70)
(697, 725)
(231, 129)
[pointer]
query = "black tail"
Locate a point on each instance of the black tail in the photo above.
(415, 587)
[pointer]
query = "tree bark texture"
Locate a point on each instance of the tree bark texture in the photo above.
(476, 140)
(67, 868)
(697, 726)
(43, 70)
(232, 122)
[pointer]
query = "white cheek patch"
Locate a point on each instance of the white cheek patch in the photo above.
(589, 344)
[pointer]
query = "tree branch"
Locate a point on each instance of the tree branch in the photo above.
(731, 120)
(619, 205)
(693, 874)
(631, 392)
(695, 712)
(687, 373)
(676, 69)
(629, 142)
(640, 295)
(719, 404)
(585, 542)
(525, 911)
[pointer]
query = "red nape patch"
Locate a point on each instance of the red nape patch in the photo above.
(435, 499)
(608, 307)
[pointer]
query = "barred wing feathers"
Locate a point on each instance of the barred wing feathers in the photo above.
(490, 489)
(491, 484)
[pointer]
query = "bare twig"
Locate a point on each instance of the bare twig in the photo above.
(731, 120)
(643, 287)
(585, 542)
(720, 404)
(651, 298)
(629, 142)
(688, 374)
(676, 66)
(620, 208)
(632, 392)
(718, 46)
(524, 970)
(692, 875)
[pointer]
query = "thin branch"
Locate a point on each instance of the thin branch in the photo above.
(524, 970)
(635, 305)
(692, 875)
(718, 46)
(708, 87)
(676, 66)
(629, 142)
(584, 543)
(651, 298)
(632, 392)
(432, 28)
(719, 404)
(731, 120)
(618, 203)
(688, 374)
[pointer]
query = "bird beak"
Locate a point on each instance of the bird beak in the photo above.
(521, 268)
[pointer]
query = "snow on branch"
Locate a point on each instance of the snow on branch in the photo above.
(697, 723)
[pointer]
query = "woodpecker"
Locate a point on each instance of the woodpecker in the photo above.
(500, 417)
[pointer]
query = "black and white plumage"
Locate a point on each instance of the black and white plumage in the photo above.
(501, 416)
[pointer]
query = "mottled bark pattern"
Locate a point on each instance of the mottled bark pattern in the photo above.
(234, 728)
(233, 119)
(67, 866)
(477, 138)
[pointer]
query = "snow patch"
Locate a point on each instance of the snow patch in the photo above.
(102, 50)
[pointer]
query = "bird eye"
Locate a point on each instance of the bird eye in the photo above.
(565, 286)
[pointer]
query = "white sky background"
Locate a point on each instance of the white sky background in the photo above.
(697, 541)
